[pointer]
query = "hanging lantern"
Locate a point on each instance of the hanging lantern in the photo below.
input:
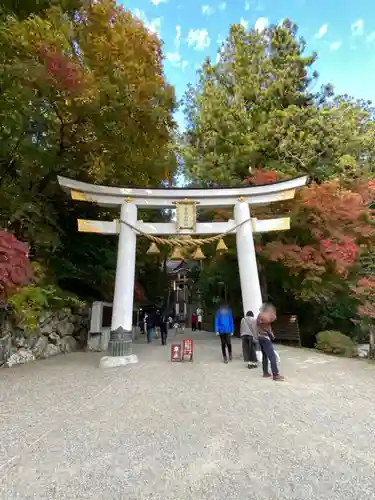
(177, 254)
(198, 254)
(153, 249)
(221, 246)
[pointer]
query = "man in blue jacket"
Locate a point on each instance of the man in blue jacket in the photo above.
(224, 328)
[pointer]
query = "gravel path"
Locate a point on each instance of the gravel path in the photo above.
(201, 430)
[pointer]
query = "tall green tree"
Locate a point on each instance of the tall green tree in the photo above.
(254, 117)
(256, 108)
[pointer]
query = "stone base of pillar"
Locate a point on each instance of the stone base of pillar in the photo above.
(120, 342)
(116, 361)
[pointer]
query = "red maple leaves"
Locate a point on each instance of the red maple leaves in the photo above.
(331, 227)
(15, 269)
(261, 176)
(61, 69)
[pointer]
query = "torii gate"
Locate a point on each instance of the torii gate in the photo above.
(130, 199)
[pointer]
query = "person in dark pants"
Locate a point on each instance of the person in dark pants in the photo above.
(265, 319)
(249, 336)
(164, 328)
(194, 320)
(149, 327)
(224, 328)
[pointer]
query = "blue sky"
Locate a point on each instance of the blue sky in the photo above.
(341, 31)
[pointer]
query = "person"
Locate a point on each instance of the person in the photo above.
(149, 322)
(194, 320)
(249, 336)
(265, 319)
(164, 328)
(200, 319)
(170, 322)
(224, 327)
(157, 323)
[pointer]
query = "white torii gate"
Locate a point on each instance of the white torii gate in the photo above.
(129, 199)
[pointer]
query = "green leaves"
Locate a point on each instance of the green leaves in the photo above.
(255, 109)
(87, 100)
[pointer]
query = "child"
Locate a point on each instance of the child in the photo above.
(249, 336)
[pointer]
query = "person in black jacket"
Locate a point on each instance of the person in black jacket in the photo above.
(164, 327)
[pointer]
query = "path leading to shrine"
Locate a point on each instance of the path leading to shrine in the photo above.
(188, 431)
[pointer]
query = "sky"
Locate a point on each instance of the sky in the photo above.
(342, 32)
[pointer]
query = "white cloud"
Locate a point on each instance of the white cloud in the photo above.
(156, 2)
(153, 25)
(178, 36)
(335, 46)
(207, 10)
(176, 60)
(198, 39)
(222, 5)
(322, 31)
(244, 23)
(357, 27)
(247, 5)
(371, 37)
(261, 24)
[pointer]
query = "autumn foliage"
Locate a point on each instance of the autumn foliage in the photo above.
(15, 269)
(332, 227)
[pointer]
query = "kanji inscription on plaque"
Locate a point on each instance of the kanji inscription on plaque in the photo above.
(186, 215)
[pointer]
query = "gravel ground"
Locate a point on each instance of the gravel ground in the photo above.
(201, 430)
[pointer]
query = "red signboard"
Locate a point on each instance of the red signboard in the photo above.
(176, 352)
(187, 349)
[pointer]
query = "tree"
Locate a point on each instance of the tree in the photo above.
(255, 108)
(15, 268)
(83, 96)
(255, 118)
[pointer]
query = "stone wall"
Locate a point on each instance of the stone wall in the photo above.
(57, 333)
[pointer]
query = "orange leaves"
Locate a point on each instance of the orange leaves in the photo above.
(333, 203)
(297, 258)
(343, 253)
(63, 72)
(260, 176)
(331, 228)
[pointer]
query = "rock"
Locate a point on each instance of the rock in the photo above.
(51, 350)
(65, 328)
(68, 344)
(48, 328)
(19, 342)
(20, 357)
(46, 318)
(40, 346)
(32, 340)
(54, 338)
(64, 314)
(116, 361)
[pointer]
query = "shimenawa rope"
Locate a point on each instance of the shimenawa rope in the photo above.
(181, 242)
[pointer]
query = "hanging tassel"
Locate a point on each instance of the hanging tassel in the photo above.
(153, 249)
(221, 246)
(198, 254)
(177, 254)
